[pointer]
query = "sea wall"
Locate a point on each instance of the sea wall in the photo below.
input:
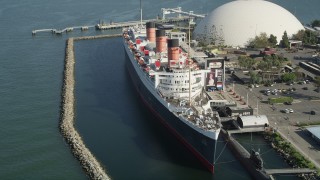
(87, 160)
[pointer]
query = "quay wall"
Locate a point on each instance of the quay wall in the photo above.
(89, 163)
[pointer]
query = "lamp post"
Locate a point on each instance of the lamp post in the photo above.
(232, 86)
(247, 99)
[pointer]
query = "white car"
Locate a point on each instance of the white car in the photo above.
(291, 110)
(285, 111)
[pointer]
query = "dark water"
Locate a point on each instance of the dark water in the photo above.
(271, 159)
(113, 123)
(121, 132)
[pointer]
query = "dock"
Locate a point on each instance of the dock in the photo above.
(60, 31)
(112, 25)
(188, 16)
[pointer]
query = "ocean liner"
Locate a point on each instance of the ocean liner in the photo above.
(173, 86)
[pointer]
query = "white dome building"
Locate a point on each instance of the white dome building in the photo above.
(236, 22)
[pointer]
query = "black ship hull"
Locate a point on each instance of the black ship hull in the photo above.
(200, 144)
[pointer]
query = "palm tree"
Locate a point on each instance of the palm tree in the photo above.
(299, 74)
(317, 82)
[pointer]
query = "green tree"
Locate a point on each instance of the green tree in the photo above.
(315, 23)
(288, 77)
(254, 78)
(260, 41)
(306, 36)
(269, 62)
(272, 40)
(299, 74)
(317, 82)
(262, 65)
(246, 62)
(309, 37)
(285, 40)
(299, 35)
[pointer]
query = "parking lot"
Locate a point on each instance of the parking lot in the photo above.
(305, 100)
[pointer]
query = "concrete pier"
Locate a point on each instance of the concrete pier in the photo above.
(87, 160)
(114, 25)
(60, 31)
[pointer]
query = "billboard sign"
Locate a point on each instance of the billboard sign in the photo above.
(215, 76)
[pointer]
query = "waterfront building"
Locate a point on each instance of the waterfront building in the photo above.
(314, 132)
(236, 22)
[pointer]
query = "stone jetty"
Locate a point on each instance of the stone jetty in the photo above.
(87, 160)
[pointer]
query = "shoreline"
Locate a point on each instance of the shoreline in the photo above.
(89, 163)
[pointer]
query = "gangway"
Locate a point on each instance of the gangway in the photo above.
(290, 171)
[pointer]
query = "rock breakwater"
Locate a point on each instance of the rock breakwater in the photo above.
(87, 160)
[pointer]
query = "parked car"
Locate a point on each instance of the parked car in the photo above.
(288, 103)
(285, 111)
(267, 92)
(290, 110)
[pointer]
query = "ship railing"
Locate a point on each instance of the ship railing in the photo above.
(149, 80)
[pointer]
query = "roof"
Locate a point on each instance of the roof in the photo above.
(292, 41)
(254, 120)
(236, 22)
(315, 130)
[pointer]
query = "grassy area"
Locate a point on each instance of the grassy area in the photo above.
(290, 153)
(280, 100)
(308, 124)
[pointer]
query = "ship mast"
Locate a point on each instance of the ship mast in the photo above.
(189, 59)
(140, 13)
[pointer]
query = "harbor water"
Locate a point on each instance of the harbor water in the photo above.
(114, 124)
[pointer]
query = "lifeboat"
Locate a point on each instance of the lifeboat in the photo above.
(157, 63)
(146, 68)
(137, 54)
(138, 58)
(141, 61)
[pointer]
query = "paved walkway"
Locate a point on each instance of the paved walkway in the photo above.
(300, 144)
